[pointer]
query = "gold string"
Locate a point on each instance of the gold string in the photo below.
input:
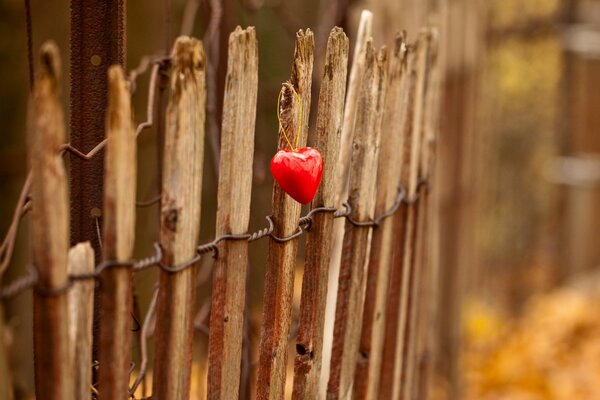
(281, 124)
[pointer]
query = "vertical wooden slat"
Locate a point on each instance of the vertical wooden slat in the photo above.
(424, 291)
(408, 255)
(355, 76)
(180, 219)
(399, 221)
(119, 230)
(233, 213)
(354, 84)
(388, 180)
(81, 310)
(414, 257)
(307, 365)
(281, 259)
(50, 232)
(356, 245)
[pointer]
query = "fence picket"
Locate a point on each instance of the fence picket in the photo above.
(407, 256)
(356, 244)
(420, 360)
(119, 230)
(390, 162)
(50, 232)
(398, 237)
(281, 259)
(309, 343)
(81, 312)
(233, 214)
(180, 219)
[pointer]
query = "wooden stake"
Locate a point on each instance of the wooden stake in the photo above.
(281, 259)
(81, 315)
(356, 245)
(388, 180)
(409, 254)
(423, 332)
(119, 230)
(50, 232)
(180, 219)
(354, 84)
(356, 72)
(307, 365)
(399, 223)
(233, 214)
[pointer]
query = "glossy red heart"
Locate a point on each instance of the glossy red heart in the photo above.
(298, 172)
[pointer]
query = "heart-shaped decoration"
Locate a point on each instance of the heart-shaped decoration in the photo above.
(298, 172)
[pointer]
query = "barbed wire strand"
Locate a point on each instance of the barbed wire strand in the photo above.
(155, 260)
(22, 207)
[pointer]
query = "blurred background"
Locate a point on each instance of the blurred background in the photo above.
(517, 180)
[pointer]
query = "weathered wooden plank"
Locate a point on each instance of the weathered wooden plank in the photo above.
(363, 33)
(309, 342)
(281, 259)
(81, 315)
(233, 214)
(399, 223)
(361, 197)
(114, 352)
(180, 219)
(423, 334)
(365, 27)
(50, 232)
(388, 180)
(401, 374)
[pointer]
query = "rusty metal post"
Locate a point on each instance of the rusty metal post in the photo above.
(97, 41)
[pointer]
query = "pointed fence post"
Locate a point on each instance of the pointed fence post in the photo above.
(309, 343)
(394, 384)
(233, 214)
(180, 220)
(354, 79)
(281, 259)
(421, 290)
(81, 313)
(50, 231)
(388, 182)
(356, 245)
(119, 230)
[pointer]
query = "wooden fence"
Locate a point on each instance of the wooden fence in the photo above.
(377, 139)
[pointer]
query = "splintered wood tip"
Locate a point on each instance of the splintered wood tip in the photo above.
(188, 54)
(241, 35)
(50, 64)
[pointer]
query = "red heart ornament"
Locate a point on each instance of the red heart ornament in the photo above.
(298, 172)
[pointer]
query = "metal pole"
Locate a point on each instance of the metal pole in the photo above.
(97, 41)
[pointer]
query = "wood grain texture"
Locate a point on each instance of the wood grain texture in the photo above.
(309, 342)
(114, 352)
(423, 323)
(388, 180)
(399, 223)
(401, 375)
(233, 213)
(180, 219)
(356, 245)
(81, 313)
(365, 27)
(50, 233)
(355, 73)
(281, 259)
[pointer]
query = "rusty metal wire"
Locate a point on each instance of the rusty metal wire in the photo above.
(155, 260)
